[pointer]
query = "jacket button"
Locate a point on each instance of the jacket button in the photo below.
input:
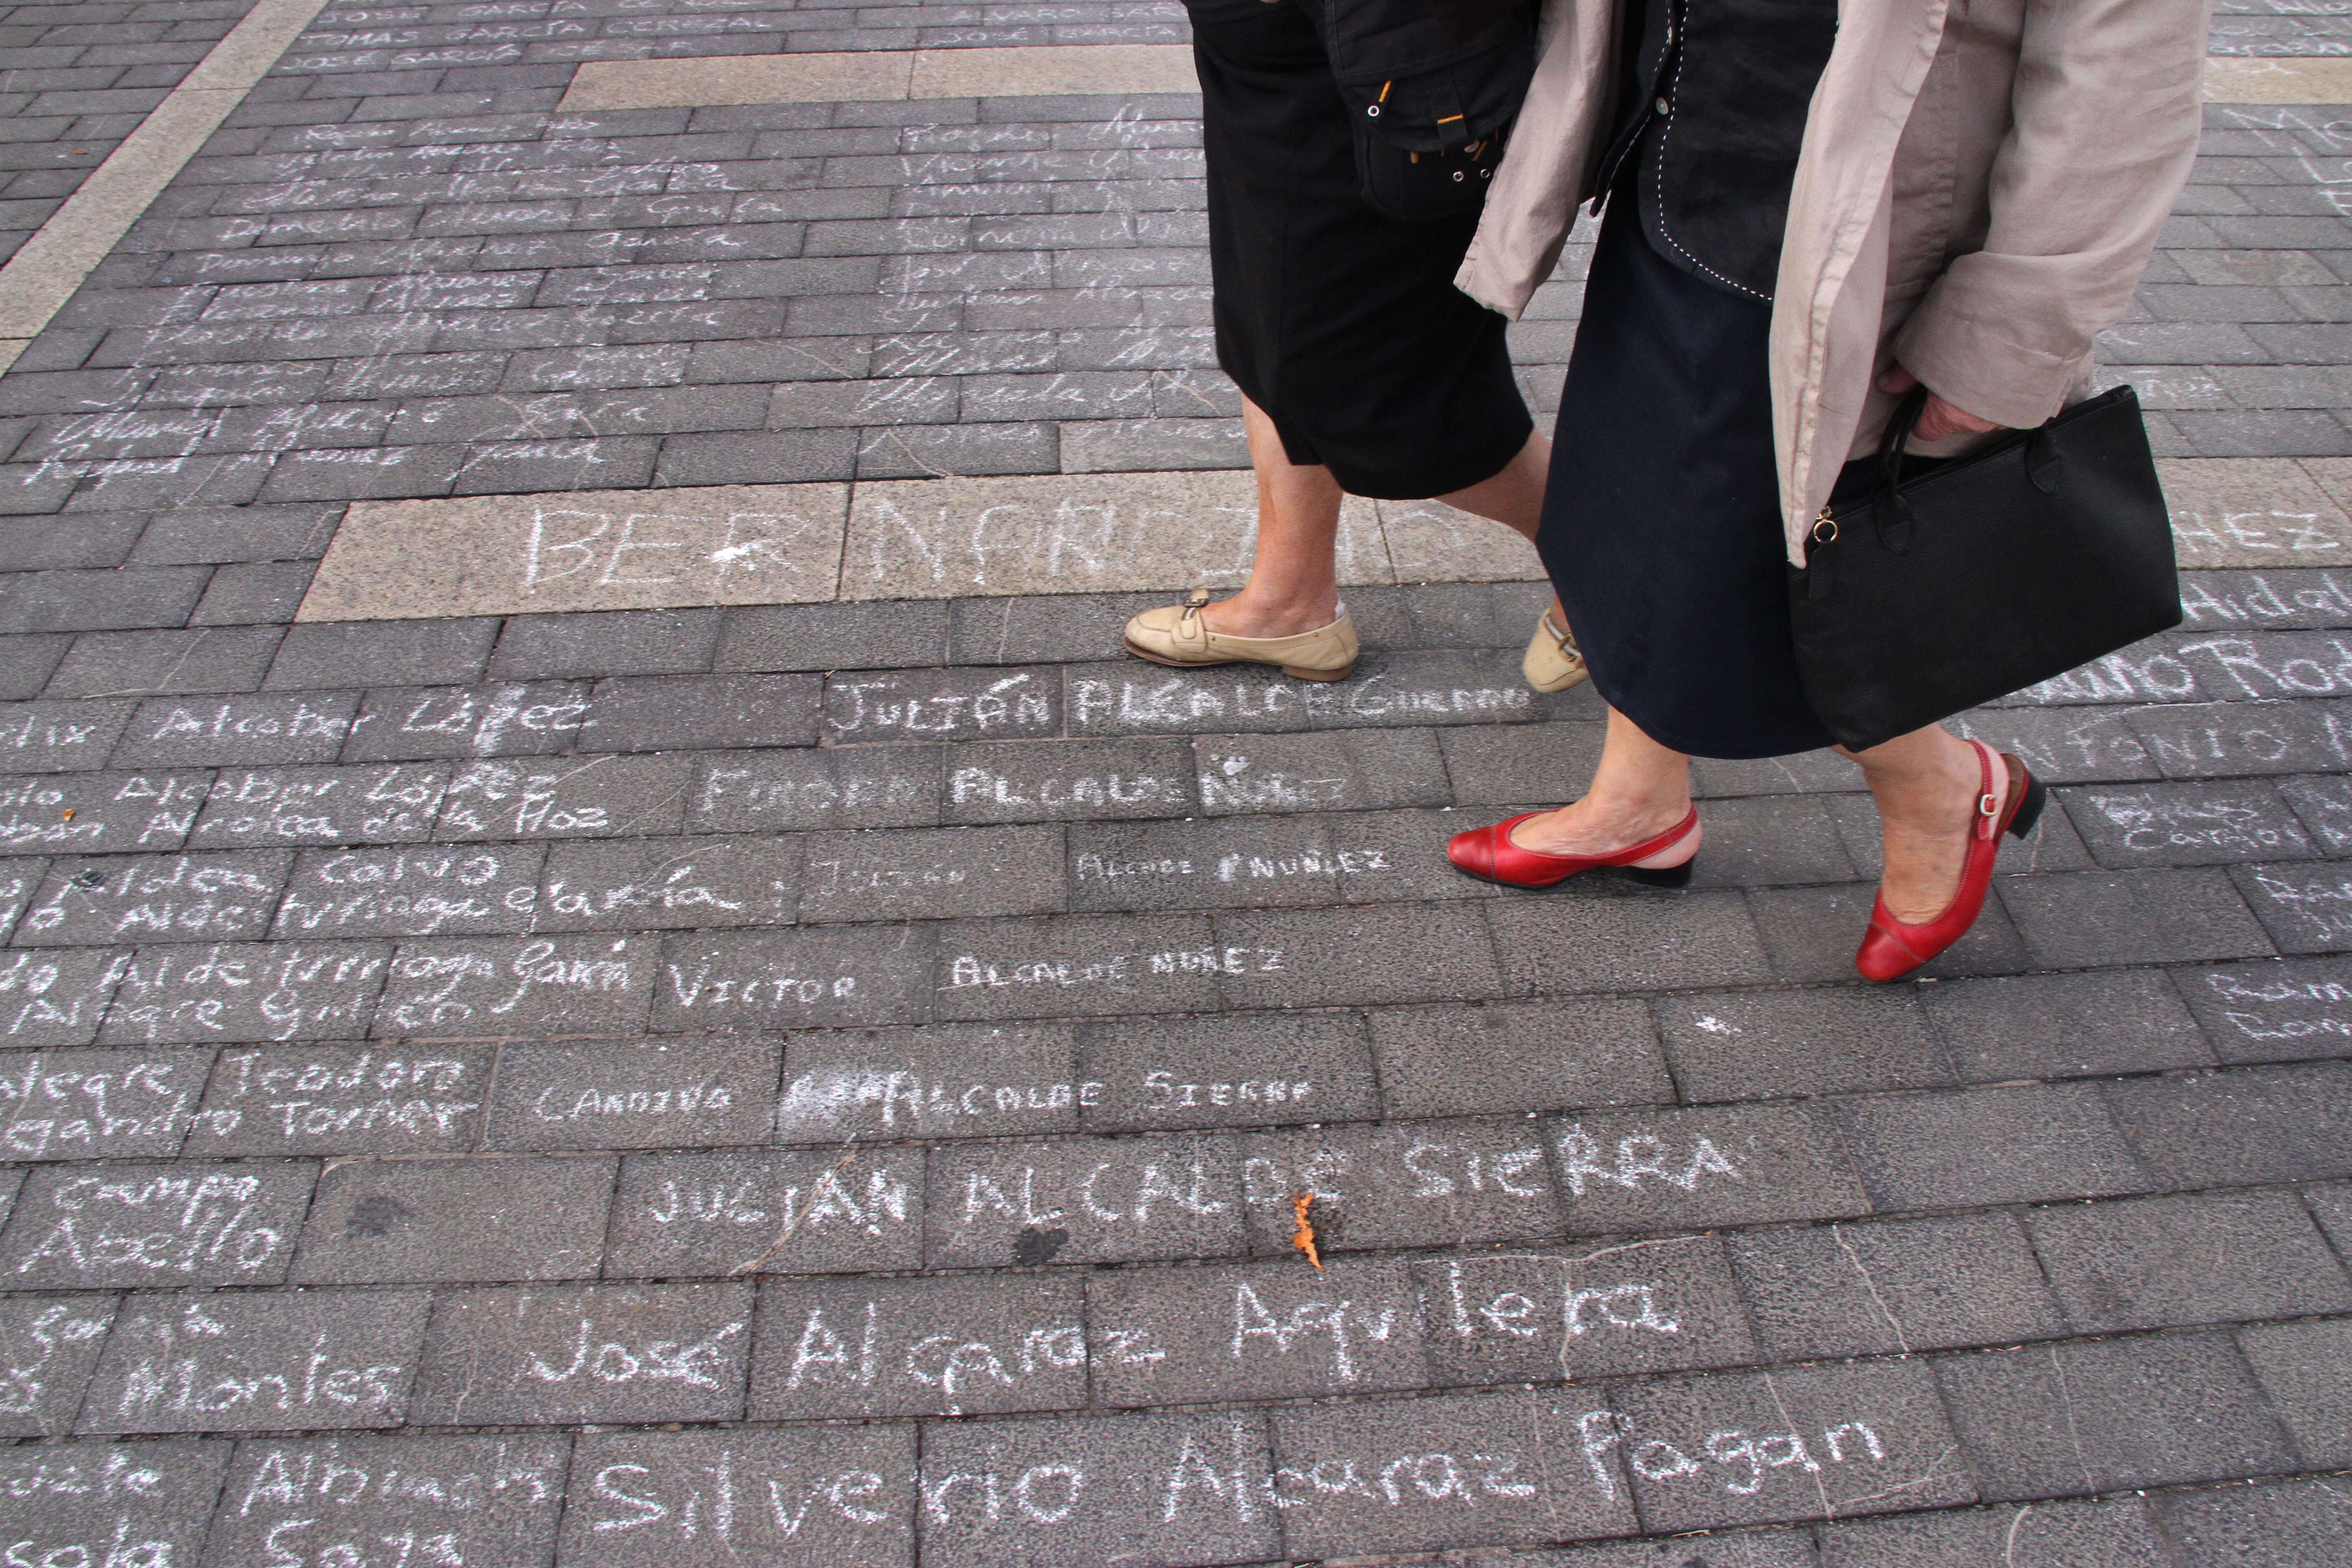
(1663, 107)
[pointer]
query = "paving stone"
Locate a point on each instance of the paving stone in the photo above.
(1893, 1286)
(1357, 954)
(1268, 1069)
(305, 1361)
(457, 988)
(75, 1501)
(2306, 1371)
(2187, 825)
(1457, 1470)
(255, 732)
(2083, 745)
(1990, 1146)
(596, 1352)
(724, 1214)
(951, 872)
(1675, 1170)
(1254, 1332)
(1574, 940)
(1743, 1449)
(320, 806)
(1505, 1056)
(329, 1100)
(2127, 1266)
(2064, 1025)
(2224, 739)
(832, 637)
(96, 1105)
(100, 812)
(835, 1498)
(941, 1082)
(812, 978)
(2301, 907)
(1338, 771)
(654, 713)
(1663, 1305)
(30, 661)
(2100, 1415)
(1714, 1549)
(2324, 807)
(182, 898)
(2299, 1525)
(415, 1222)
(55, 997)
(423, 890)
(134, 664)
(1070, 780)
(482, 1500)
(260, 593)
(1084, 1201)
(976, 1344)
(787, 790)
(1763, 1045)
(1812, 933)
(613, 1094)
(565, 797)
(2237, 1127)
(866, 706)
(55, 737)
(1401, 1185)
(600, 645)
(2117, 1534)
(442, 652)
(1026, 630)
(1175, 1487)
(1217, 863)
(517, 718)
(52, 1344)
(1129, 698)
(180, 1224)
(19, 882)
(662, 884)
(1084, 965)
(2273, 1012)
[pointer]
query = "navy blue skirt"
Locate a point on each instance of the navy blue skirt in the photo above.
(1662, 517)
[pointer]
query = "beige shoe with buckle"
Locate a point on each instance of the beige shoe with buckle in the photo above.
(1554, 662)
(1177, 635)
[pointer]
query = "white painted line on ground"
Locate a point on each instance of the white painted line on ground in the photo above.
(883, 74)
(42, 275)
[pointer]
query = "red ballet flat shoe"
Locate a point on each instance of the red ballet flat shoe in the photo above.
(1488, 853)
(1892, 949)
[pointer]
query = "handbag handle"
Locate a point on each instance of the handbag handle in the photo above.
(1893, 519)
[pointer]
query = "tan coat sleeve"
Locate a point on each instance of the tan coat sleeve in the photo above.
(2105, 116)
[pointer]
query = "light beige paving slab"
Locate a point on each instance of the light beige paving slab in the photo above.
(589, 550)
(45, 270)
(1070, 533)
(1429, 542)
(2271, 80)
(741, 79)
(1053, 68)
(2258, 512)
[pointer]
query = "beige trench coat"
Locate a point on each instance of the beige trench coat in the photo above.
(1980, 184)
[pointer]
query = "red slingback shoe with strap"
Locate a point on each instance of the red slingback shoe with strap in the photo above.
(1892, 948)
(1488, 853)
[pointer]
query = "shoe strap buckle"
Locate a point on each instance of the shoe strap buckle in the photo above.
(1988, 805)
(1194, 602)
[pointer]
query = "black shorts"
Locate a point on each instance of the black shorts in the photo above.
(1344, 326)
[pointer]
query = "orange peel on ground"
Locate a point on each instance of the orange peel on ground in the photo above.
(1302, 1237)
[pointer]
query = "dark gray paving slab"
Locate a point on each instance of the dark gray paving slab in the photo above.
(960, 1344)
(96, 813)
(1088, 1200)
(1679, 1170)
(252, 731)
(1429, 1184)
(593, 797)
(1224, 1072)
(56, 996)
(865, 707)
(320, 806)
(2252, 1124)
(2064, 1025)
(374, 1222)
(2166, 1262)
(91, 1105)
(2075, 1419)
(1070, 780)
(315, 1361)
(337, 1099)
(815, 1497)
(486, 1498)
(2306, 1372)
(422, 890)
(452, 988)
(1504, 1056)
(514, 718)
(596, 1352)
(794, 789)
(954, 872)
(2301, 907)
(1570, 941)
(179, 1224)
(224, 896)
(2114, 1534)
(80, 1500)
(1768, 1043)
(2298, 1525)
(729, 1215)
(1895, 1287)
(49, 1349)
(1990, 1146)
(809, 978)
(55, 737)
(229, 991)
(631, 1094)
(1750, 1448)
(1340, 771)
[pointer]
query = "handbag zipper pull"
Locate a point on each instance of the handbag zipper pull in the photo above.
(1824, 521)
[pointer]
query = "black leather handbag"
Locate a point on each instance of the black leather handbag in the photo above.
(2033, 554)
(1431, 89)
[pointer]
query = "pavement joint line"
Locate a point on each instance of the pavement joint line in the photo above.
(42, 275)
(883, 75)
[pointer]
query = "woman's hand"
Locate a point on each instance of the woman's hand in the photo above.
(1939, 418)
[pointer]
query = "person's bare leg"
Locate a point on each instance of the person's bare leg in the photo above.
(1926, 784)
(1294, 585)
(1640, 790)
(1513, 497)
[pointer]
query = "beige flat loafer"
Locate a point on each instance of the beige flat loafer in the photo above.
(1177, 635)
(1554, 662)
